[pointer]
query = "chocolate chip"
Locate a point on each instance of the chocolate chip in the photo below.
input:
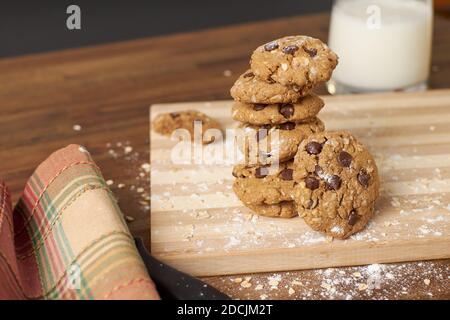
(249, 75)
(353, 218)
(334, 182)
(270, 80)
(318, 170)
(311, 204)
(313, 147)
(261, 172)
(286, 174)
(261, 134)
(290, 49)
(259, 106)
(287, 126)
(345, 159)
(363, 178)
(174, 115)
(271, 46)
(286, 110)
(312, 183)
(312, 52)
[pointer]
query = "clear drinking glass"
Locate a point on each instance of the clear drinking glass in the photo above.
(383, 45)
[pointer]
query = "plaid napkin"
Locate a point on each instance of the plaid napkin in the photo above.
(66, 238)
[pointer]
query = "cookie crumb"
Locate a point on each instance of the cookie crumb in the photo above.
(426, 281)
(146, 167)
(128, 149)
(227, 73)
(362, 286)
(291, 291)
(325, 286)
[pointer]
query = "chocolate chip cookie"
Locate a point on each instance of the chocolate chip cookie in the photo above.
(166, 123)
(337, 183)
(264, 184)
(285, 209)
(261, 114)
(275, 143)
(250, 89)
(295, 60)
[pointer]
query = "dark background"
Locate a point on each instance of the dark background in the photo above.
(40, 25)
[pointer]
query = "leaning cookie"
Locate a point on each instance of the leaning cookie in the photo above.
(166, 123)
(285, 209)
(250, 89)
(295, 60)
(265, 184)
(337, 183)
(260, 114)
(278, 143)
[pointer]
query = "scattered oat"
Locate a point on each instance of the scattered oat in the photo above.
(291, 291)
(426, 281)
(129, 218)
(246, 284)
(76, 127)
(120, 185)
(140, 190)
(237, 280)
(109, 182)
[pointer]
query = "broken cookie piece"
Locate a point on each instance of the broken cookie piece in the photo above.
(191, 120)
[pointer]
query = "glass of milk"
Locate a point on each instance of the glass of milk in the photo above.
(383, 45)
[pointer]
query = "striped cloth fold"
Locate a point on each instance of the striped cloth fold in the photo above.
(66, 237)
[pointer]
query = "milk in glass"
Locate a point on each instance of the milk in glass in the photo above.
(382, 44)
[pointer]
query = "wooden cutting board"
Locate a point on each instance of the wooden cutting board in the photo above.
(199, 226)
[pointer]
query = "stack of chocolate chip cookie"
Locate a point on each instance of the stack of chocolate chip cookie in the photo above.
(277, 110)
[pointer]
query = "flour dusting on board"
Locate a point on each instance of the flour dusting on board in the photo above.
(241, 229)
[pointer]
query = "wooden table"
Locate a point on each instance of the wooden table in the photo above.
(99, 97)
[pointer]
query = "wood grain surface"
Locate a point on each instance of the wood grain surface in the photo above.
(107, 90)
(199, 226)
